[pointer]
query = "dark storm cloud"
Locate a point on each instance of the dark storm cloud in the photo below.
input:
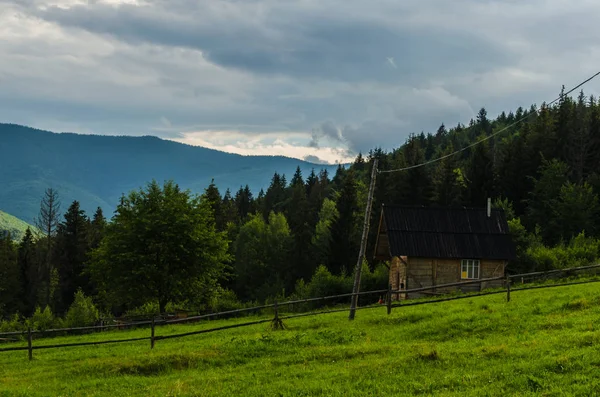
(349, 74)
(307, 44)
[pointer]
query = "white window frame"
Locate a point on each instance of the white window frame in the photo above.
(470, 269)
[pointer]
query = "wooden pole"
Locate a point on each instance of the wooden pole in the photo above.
(277, 323)
(363, 243)
(29, 343)
(507, 289)
(152, 334)
(389, 299)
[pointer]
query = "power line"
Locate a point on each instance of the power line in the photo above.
(491, 135)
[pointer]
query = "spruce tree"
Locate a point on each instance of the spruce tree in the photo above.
(275, 196)
(298, 217)
(481, 176)
(344, 244)
(213, 196)
(448, 182)
(97, 228)
(228, 208)
(47, 223)
(71, 249)
(244, 203)
(10, 277)
(419, 183)
(29, 269)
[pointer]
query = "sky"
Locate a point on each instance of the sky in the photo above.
(315, 79)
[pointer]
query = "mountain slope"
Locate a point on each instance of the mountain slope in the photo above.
(96, 169)
(13, 225)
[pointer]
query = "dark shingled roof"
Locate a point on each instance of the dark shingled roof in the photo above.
(447, 233)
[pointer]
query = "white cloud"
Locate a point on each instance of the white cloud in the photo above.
(294, 146)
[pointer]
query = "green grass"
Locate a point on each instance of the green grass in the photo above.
(543, 342)
(13, 225)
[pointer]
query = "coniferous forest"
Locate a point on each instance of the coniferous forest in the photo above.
(165, 249)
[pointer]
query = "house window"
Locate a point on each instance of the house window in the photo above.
(469, 269)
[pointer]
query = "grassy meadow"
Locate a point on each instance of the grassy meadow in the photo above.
(543, 342)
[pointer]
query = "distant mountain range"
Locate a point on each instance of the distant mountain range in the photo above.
(96, 170)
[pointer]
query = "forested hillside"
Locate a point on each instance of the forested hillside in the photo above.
(165, 248)
(12, 225)
(96, 170)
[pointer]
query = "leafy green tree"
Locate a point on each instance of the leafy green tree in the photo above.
(43, 320)
(317, 192)
(322, 237)
(505, 205)
(161, 246)
(82, 312)
(576, 210)
(523, 241)
(262, 257)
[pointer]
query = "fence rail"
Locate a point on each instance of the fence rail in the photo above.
(276, 306)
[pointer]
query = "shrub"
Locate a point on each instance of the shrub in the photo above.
(82, 312)
(580, 251)
(16, 323)
(224, 300)
(324, 283)
(148, 309)
(43, 320)
(375, 280)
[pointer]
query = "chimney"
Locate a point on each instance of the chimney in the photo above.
(489, 207)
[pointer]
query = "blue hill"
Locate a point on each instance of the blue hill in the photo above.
(96, 170)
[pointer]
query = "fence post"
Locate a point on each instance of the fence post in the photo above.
(152, 334)
(389, 299)
(29, 343)
(507, 288)
(277, 323)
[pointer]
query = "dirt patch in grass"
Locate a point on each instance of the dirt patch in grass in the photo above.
(577, 304)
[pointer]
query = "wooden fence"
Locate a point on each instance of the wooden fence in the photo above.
(276, 306)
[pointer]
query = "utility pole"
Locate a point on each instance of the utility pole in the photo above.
(363, 243)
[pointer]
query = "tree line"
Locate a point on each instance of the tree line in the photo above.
(165, 247)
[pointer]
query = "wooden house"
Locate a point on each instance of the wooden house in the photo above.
(433, 246)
